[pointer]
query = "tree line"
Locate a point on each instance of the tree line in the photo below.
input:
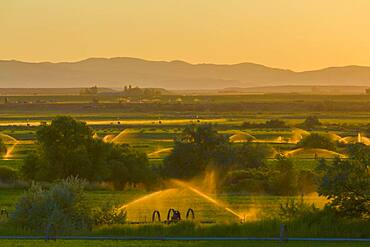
(66, 148)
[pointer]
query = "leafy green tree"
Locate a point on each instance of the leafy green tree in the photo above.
(67, 148)
(283, 177)
(311, 122)
(315, 140)
(252, 155)
(129, 167)
(359, 151)
(34, 167)
(275, 123)
(250, 180)
(197, 148)
(346, 183)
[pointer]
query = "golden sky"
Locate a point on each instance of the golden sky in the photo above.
(293, 34)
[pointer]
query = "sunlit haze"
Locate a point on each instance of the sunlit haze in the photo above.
(292, 34)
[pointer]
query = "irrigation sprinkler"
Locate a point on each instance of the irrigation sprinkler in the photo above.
(156, 213)
(190, 212)
(171, 210)
(4, 212)
(173, 215)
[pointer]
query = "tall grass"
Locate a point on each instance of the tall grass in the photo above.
(264, 228)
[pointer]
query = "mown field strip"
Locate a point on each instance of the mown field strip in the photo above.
(159, 238)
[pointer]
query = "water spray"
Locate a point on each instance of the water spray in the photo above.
(140, 199)
(210, 199)
(13, 142)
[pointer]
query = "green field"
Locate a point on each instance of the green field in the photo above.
(26, 243)
(249, 207)
(152, 128)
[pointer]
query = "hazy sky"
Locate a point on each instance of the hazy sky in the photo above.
(294, 34)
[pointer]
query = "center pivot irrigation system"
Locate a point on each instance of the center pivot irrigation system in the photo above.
(173, 216)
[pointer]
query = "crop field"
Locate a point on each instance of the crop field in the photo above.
(154, 131)
(157, 139)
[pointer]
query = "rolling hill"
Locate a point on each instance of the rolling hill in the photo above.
(116, 72)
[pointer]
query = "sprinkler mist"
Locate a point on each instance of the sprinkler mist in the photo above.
(180, 195)
(9, 151)
(140, 199)
(208, 198)
(11, 141)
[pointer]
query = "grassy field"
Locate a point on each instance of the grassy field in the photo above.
(106, 243)
(152, 128)
(250, 207)
(155, 136)
(156, 139)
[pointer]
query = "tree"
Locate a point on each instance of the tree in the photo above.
(67, 148)
(346, 183)
(359, 151)
(252, 155)
(315, 140)
(197, 148)
(275, 123)
(311, 122)
(129, 167)
(283, 177)
(250, 180)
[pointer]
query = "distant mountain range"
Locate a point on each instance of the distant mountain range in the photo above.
(120, 71)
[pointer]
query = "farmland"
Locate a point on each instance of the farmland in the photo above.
(152, 128)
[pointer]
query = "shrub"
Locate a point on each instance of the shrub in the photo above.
(62, 208)
(109, 215)
(293, 209)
